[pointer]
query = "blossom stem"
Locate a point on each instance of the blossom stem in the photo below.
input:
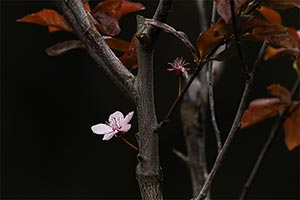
(179, 85)
(129, 144)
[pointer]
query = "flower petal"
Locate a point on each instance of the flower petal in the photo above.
(127, 118)
(108, 136)
(101, 129)
(125, 128)
(116, 116)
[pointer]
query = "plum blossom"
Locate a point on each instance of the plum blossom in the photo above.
(116, 124)
(178, 66)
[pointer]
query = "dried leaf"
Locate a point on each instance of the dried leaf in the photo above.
(280, 4)
(280, 92)
(292, 128)
(224, 10)
(270, 14)
(261, 109)
(50, 18)
(129, 58)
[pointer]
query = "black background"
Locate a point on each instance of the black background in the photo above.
(48, 105)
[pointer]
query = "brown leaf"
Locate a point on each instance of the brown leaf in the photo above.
(259, 29)
(224, 10)
(108, 13)
(280, 92)
(270, 14)
(280, 4)
(129, 58)
(292, 127)
(272, 53)
(261, 109)
(215, 36)
(49, 18)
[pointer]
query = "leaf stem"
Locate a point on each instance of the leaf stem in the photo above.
(274, 132)
(235, 126)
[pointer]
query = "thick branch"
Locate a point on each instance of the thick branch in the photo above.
(79, 20)
(148, 169)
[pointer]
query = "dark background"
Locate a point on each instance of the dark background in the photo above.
(48, 105)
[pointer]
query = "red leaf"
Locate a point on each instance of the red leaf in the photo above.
(49, 18)
(129, 58)
(280, 4)
(129, 7)
(280, 92)
(270, 14)
(224, 10)
(292, 128)
(261, 109)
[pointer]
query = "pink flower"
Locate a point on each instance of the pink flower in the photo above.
(116, 124)
(178, 66)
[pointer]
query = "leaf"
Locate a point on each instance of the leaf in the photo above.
(50, 18)
(129, 58)
(270, 14)
(292, 128)
(224, 10)
(261, 109)
(280, 92)
(259, 29)
(215, 36)
(272, 53)
(129, 7)
(280, 4)
(107, 14)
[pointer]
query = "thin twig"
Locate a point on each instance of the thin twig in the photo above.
(212, 108)
(269, 142)
(237, 39)
(235, 126)
(129, 144)
(211, 90)
(180, 155)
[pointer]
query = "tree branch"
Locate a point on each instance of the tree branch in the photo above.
(148, 171)
(79, 20)
(269, 142)
(235, 126)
